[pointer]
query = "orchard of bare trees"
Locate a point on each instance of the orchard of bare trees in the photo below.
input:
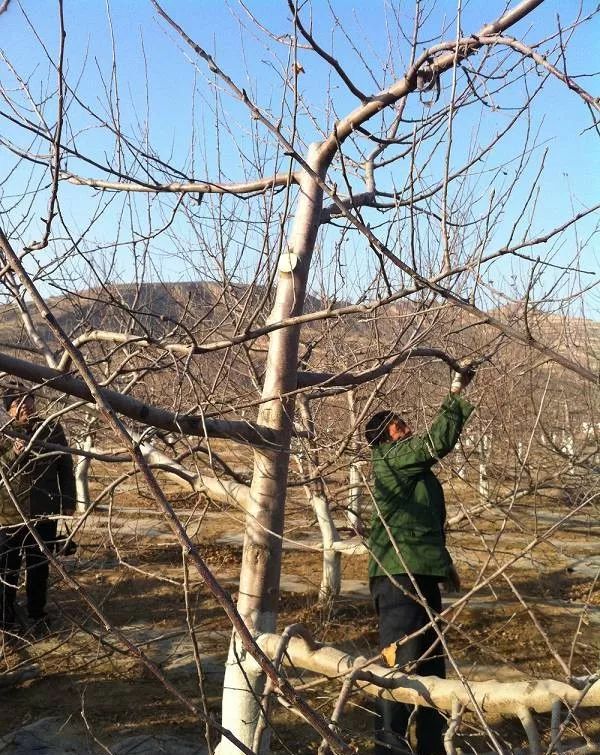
(229, 234)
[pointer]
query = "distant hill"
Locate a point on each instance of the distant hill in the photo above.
(150, 308)
(186, 310)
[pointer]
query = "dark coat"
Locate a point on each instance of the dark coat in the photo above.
(42, 479)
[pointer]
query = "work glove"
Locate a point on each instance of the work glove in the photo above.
(460, 380)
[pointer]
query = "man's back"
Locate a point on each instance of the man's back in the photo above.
(407, 527)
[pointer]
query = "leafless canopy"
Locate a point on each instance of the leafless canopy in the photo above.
(219, 257)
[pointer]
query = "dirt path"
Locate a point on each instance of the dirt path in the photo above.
(92, 689)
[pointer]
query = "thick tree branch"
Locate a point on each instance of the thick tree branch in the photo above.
(241, 432)
(332, 380)
(465, 47)
(224, 491)
(258, 186)
(380, 681)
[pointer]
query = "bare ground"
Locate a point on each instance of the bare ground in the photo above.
(85, 677)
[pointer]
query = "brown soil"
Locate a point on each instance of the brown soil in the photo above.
(87, 677)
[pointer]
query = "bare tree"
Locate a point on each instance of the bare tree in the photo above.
(351, 246)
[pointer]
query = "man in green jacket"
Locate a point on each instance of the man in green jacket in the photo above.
(37, 485)
(408, 556)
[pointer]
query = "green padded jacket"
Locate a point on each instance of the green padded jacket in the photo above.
(407, 527)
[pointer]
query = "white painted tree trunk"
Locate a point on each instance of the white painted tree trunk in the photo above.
(82, 476)
(355, 477)
(261, 558)
(355, 494)
(331, 578)
(495, 698)
(484, 484)
(464, 447)
(331, 575)
(461, 470)
(568, 447)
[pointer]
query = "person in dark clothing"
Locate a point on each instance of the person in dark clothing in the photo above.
(408, 557)
(36, 485)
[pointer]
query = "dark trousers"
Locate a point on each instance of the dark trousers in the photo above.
(400, 615)
(14, 543)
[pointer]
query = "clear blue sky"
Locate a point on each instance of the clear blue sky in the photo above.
(157, 74)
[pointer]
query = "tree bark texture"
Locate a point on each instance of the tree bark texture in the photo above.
(331, 579)
(82, 476)
(495, 698)
(261, 559)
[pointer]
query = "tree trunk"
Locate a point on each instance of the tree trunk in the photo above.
(484, 485)
(462, 460)
(331, 578)
(261, 559)
(355, 494)
(568, 447)
(82, 476)
(355, 477)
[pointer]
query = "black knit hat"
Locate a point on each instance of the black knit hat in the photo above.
(376, 428)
